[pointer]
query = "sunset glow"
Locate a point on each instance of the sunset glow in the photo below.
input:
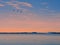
(29, 16)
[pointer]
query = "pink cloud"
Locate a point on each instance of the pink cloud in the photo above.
(18, 5)
(1, 5)
(25, 4)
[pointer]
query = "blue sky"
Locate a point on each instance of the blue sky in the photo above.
(39, 4)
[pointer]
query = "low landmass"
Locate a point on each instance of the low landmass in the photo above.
(29, 33)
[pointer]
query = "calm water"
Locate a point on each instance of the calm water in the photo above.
(21, 39)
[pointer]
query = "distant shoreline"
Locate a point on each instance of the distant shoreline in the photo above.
(29, 33)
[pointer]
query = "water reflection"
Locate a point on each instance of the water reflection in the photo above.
(21, 39)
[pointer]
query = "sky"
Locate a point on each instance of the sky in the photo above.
(29, 15)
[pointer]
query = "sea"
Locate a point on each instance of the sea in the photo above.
(29, 39)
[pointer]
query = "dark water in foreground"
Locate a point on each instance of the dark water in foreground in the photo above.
(26, 39)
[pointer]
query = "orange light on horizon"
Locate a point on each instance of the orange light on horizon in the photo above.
(27, 30)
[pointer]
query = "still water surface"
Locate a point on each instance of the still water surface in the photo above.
(26, 39)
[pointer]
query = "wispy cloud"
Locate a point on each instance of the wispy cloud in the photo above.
(44, 3)
(17, 4)
(25, 4)
(1, 5)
